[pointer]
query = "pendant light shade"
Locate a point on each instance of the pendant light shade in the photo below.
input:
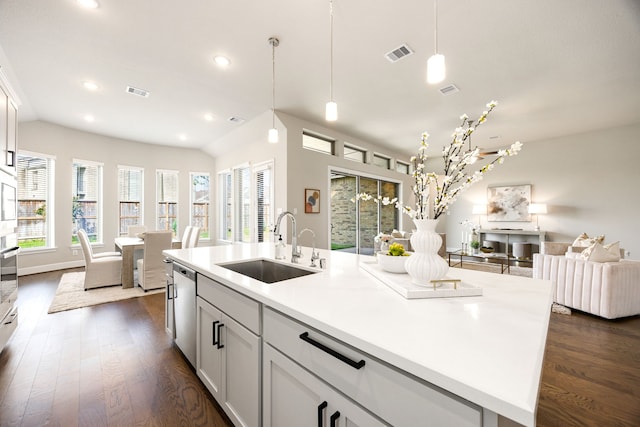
(331, 111)
(273, 132)
(435, 69)
(435, 65)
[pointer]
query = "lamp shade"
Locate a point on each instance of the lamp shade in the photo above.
(273, 135)
(538, 208)
(479, 210)
(435, 69)
(331, 113)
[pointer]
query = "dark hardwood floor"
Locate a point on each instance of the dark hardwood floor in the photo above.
(113, 364)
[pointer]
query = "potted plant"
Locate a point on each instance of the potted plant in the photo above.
(393, 259)
(475, 245)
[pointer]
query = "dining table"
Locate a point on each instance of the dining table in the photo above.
(127, 246)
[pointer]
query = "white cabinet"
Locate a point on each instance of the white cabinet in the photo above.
(8, 129)
(293, 397)
(394, 396)
(227, 353)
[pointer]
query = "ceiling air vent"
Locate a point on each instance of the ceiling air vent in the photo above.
(399, 53)
(140, 92)
(448, 90)
(235, 119)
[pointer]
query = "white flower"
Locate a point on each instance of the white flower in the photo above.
(464, 117)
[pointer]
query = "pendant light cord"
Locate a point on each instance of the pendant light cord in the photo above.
(273, 84)
(435, 7)
(331, 50)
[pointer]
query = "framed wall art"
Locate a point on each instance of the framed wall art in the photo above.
(311, 200)
(509, 203)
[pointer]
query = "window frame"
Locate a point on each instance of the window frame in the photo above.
(49, 202)
(355, 149)
(176, 216)
(99, 208)
(330, 141)
(204, 230)
(141, 202)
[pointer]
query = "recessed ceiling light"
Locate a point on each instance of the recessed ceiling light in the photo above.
(89, 4)
(90, 85)
(221, 61)
(89, 118)
(208, 117)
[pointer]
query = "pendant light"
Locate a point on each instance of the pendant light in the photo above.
(273, 132)
(331, 112)
(435, 64)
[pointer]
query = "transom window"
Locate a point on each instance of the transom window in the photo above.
(318, 143)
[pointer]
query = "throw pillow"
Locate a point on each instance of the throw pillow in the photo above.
(584, 241)
(602, 253)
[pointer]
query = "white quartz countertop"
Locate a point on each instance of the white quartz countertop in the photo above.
(487, 349)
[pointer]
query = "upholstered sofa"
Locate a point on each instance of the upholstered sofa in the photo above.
(607, 289)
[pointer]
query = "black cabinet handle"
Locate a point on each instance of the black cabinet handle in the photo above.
(219, 343)
(305, 337)
(169, 294)
(213, 332)
(321, 413)
(334, 418)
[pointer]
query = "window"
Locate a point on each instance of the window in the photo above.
(35, 201)
(402, 167)
(242, 204)
(86, 210)
(200, 196)
(167, 197)
(246, 200)
(130, 185)
(265, 221)
(317, 143)
(226, 206)
(382, 161)
(354, 153)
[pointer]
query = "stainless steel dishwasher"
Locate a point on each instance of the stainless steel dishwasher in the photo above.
(184, 306)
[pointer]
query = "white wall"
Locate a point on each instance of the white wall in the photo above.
(309, 169)
(590, 183)
(66, 144)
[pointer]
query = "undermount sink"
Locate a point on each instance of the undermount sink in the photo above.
(267, 271)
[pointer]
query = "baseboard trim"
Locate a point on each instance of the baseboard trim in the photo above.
(25, 271)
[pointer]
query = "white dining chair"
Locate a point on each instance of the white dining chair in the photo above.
(194, 238)
(103, 269)
(186, 236)
(151, 268)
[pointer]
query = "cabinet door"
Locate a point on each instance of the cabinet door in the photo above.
(294, 397)
(241, 365)
(209, 361)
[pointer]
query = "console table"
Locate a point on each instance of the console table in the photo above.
(508, 236)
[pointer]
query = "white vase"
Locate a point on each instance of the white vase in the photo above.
(425, 264)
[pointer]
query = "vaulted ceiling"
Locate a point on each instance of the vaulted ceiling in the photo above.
(556, 67)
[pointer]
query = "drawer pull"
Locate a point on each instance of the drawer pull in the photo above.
(213, 333)
(334, 418)
(219, 343)
(321, 413)
(305, 337)
(169, 294)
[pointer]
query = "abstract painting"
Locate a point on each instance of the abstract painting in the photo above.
(311, 201)
(509, 203)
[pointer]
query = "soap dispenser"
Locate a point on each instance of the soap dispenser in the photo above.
(280, 246)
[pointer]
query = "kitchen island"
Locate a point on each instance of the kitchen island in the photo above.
(484, 351)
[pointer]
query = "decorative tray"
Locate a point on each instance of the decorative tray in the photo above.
(401, 283)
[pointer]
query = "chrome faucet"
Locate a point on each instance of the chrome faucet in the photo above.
(295, 251)
(314, 255)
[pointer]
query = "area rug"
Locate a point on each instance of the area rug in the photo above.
(71, 294)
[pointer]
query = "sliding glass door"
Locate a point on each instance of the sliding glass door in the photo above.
(355, 225)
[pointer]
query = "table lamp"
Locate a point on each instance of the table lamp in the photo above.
(479, 210)
(537, 209)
